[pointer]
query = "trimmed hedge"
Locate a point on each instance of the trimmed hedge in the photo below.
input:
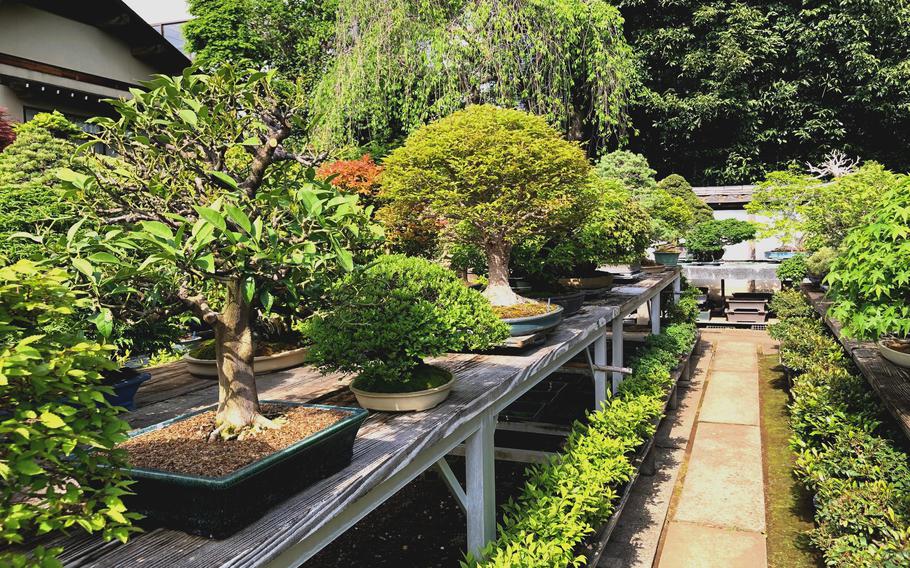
(567, 498)
(846, 457)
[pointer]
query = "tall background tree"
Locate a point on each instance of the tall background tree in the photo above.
(412, 61)
(732, 89)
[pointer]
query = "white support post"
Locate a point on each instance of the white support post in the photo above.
(600, 377)
(448, 476)
(481, 489)
(655, 315)
(617, 340)
(677, 289)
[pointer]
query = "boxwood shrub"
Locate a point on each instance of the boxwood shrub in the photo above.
(567, 498)
(847, 456)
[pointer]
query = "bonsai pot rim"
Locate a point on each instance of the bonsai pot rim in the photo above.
(414, 401)
(354, 420)
(666, 258)
(899, 358)
(571, 301)
(598, 282)
(125, 390)
(530, 325)
(261, 365)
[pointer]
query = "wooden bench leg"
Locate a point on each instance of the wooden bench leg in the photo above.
(481, 484)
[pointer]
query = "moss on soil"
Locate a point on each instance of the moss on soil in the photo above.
(424, 377)
(788, 506)
(524, 310)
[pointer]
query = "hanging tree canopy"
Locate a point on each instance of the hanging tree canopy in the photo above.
(415, 60)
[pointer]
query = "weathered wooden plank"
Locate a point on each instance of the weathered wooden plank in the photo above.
(890, 382)
(385, 445)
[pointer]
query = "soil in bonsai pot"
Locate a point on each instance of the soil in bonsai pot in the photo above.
(182, 447)
(524, 310)
(206, 351)
(423, 377)
(900, 345)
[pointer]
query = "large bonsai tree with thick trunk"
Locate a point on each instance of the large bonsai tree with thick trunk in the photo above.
(205, 210)
(499, 175)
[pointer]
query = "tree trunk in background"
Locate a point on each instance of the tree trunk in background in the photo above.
(498, 290)
(238, 401)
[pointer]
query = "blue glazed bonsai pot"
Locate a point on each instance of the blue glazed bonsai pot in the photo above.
(216, 507)
(535, 324)
(125, 383)
(667, 258)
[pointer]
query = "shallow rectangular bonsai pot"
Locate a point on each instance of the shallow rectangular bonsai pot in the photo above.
(217, 507)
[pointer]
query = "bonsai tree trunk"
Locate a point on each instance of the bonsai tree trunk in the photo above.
(238, 401)
(498, 290)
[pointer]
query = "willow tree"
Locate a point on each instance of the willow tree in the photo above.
(416, 60)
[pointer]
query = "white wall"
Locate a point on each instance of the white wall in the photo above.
(750, 250)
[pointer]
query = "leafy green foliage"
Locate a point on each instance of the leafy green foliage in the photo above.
(386, 317)
(819, 262)
(870, 279)
(793, 270)
(630, 169)
(708, 239)
(820, 212)
(567, 498)
(29, 199)
(733, 89)
(846, 457)
(414, 61)
(57, 432)
(790, 304)
(674, 209)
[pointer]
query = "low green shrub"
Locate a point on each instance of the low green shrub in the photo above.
(846, 456)
(57, 432)
(386, 317)
(567, 498)
(793, 269)
(788, 304)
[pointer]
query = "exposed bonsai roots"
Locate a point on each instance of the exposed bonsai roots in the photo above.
(227, 429)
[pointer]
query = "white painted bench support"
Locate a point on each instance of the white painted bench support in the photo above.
(677, 289)
(655, 315)
(480, 466)
(598, 371)
(455, 488)
(617, 341)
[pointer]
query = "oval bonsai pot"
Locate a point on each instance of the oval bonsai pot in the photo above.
(598, 282)
(404, 401)
(535, 324)
(217, 507)
(779, 254)
(899, 358)
(125, 383)
(667, 258)
(571, 302)
(261, 365)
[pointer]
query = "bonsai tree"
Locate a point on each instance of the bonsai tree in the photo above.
(205, 209)
(793, 269)
(58, 433)
(387, 316)
(360, 176)
(708, 239)
(501, 175)
(819, 263)
(675, 210)
(870, 279)
(618, 230)
(630, 169)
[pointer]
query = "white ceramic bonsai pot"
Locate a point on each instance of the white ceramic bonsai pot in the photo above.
(899, 358)
(261, 365)
(403, 401)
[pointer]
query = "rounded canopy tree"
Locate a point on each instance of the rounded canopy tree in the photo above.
(504, 175)
(205, 210)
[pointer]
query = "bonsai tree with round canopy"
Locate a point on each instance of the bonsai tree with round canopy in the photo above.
(205, 210)
(501, 175)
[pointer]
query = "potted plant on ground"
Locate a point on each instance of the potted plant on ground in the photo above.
(870, 279)
(707, 240)
(387, 317)
(205, 210)
(499, 176)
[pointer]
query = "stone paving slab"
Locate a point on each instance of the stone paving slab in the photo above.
(731, 398)
(724, 485)
(697, 546)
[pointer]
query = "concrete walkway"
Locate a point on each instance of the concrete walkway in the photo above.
(719, 517)
(704, 507)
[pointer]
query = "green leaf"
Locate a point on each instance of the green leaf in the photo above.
(51, 420)
(206, 263)
(225, 179)
(267, 300)
(189, 117)
(104, 322)
(249, 290)
(212, 216)
(104, 257)
(28, 467)
(84, 266)
(158, 229)
(239, 216)
(345, 259)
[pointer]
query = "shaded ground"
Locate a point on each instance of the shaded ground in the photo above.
(788, 505)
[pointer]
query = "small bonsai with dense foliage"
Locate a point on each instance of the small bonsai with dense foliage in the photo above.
(870, 279)
(7, 133)
(708, 239)
(58, 464)
(360, 176)
(30, 201)
(793, 270)
(501, 176)
(819, 262)
(628, 168)
(206, 211)
(675, 210)
(386, 317)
